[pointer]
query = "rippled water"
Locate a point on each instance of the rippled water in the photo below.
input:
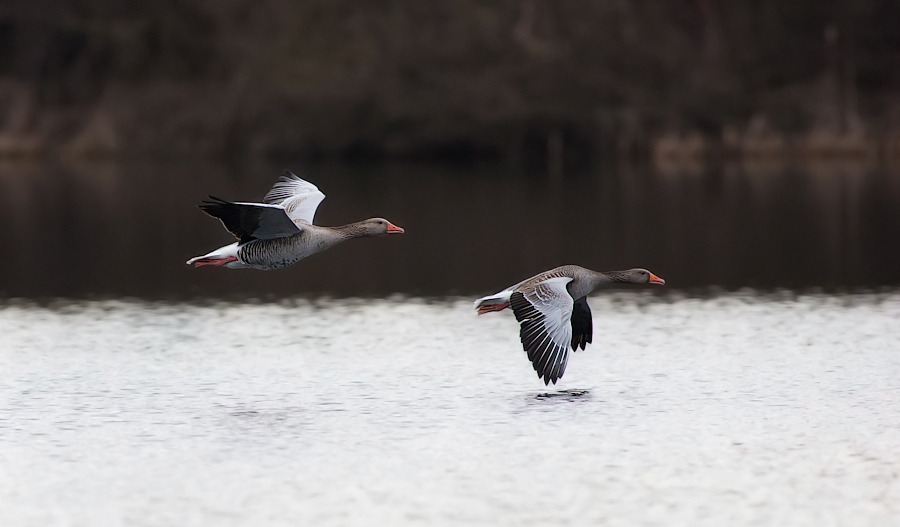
(737, 410)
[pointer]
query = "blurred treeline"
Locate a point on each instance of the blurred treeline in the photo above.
(507, 79)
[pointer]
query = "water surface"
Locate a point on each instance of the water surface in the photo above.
(363, 390)
(126, 228)
(736, 410)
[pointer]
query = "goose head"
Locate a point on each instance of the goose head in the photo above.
(377, 227)
(639, 276)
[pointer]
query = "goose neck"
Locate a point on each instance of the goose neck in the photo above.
(351, 230)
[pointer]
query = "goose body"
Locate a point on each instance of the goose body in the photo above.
(553, 313)
(280, 231)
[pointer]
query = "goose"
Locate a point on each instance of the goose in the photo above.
(280, 231)
(553, 312)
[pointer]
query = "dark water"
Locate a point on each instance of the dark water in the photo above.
(126, 228)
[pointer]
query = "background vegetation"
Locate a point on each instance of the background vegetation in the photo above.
(511, 79)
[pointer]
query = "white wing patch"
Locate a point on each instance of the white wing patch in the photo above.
(299, 198)
(551, 298)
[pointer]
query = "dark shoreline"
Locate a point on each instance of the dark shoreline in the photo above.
(551, 84)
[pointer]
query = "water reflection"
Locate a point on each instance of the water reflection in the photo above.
(563, 395)
(126, 228)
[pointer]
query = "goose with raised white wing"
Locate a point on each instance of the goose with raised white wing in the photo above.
(279, 231)
(553, 313)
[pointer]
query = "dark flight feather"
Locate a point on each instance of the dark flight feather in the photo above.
(250, 222)
(582, 324)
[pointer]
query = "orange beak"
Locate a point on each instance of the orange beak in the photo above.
(656, 280)
(393, 229)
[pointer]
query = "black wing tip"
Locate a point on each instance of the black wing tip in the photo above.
(549, 370)
(579, 341)
(554, 374)
(213, 202)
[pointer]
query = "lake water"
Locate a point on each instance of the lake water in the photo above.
(761, 386)
(741, 409)
(126, 228)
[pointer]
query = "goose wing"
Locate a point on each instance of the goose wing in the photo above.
(299, 198)
(582, 324)
(544, 312)
(251, 221)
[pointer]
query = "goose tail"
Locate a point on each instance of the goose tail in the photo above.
(224, 256)
(496, 302)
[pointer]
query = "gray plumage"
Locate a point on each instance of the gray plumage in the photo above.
(553, 313)
(311, 239)
(280, 231)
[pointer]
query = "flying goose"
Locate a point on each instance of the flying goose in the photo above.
(552, 309)
(280, 231)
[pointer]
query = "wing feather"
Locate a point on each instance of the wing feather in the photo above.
(251, 221)
(298, 197)
(582, 324)
(544, 312)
